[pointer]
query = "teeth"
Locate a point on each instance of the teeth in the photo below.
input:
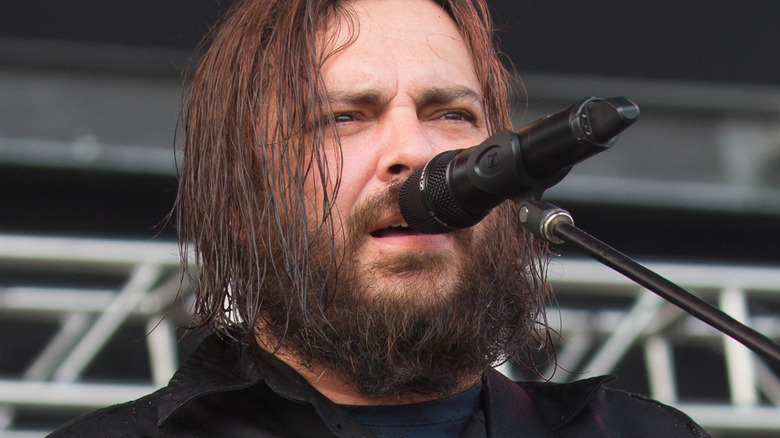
(401, 224)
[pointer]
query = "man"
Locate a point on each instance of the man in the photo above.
(330, 317)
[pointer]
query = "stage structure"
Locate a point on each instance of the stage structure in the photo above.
(606, 323)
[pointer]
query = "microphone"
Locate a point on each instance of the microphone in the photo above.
(457, 189)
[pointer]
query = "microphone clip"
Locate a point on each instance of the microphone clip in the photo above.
(541, 218)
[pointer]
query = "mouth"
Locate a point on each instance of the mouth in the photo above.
(395, 229)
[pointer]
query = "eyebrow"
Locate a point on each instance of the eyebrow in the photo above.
(357, 97)
(446, 95)
(430, 96)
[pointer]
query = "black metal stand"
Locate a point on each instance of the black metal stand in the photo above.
(556, 225)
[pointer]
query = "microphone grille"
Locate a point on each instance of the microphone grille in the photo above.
(427, 203)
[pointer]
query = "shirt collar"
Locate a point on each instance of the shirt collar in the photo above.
(215, 366)
(534, 407)
(218, 365)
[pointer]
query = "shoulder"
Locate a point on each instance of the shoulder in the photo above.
(133, 419)
(182, 407)
(589, 408)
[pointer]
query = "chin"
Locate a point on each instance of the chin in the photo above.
(416, 277)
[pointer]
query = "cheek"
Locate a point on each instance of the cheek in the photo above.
(490, 231)
(357, 172)
(334, 184)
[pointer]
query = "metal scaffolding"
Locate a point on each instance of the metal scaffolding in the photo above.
(87, 319)
(595, 337)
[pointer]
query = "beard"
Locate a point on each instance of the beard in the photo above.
(390, 326)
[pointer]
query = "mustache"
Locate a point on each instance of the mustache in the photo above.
(365, 215)
(385, 203)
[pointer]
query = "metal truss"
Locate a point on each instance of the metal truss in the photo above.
(602, 319)
(611, 316)
(87, 318)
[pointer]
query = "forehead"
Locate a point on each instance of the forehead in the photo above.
(398, 43)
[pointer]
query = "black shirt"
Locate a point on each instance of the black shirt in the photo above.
(445, 417)
(221, 391)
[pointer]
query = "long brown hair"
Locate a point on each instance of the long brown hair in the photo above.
(254, 127)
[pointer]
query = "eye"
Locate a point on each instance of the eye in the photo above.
(453, 115)
(345, 122)
(343, 117)
(339, 119)
(346, 117)
(457, 116)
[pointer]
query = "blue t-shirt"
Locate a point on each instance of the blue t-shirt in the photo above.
(446, 417)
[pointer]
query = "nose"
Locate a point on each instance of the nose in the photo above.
(405, 146)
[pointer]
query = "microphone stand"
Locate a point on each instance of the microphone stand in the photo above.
(556, 225)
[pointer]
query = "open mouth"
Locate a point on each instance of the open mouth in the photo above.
(397, 229)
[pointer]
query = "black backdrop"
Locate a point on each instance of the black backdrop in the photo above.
(716, 41)
(709, 40)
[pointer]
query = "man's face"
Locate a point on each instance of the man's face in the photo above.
(405, 312)
(402, 92)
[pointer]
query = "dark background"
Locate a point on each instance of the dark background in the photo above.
(702, 40)
(705, 41)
